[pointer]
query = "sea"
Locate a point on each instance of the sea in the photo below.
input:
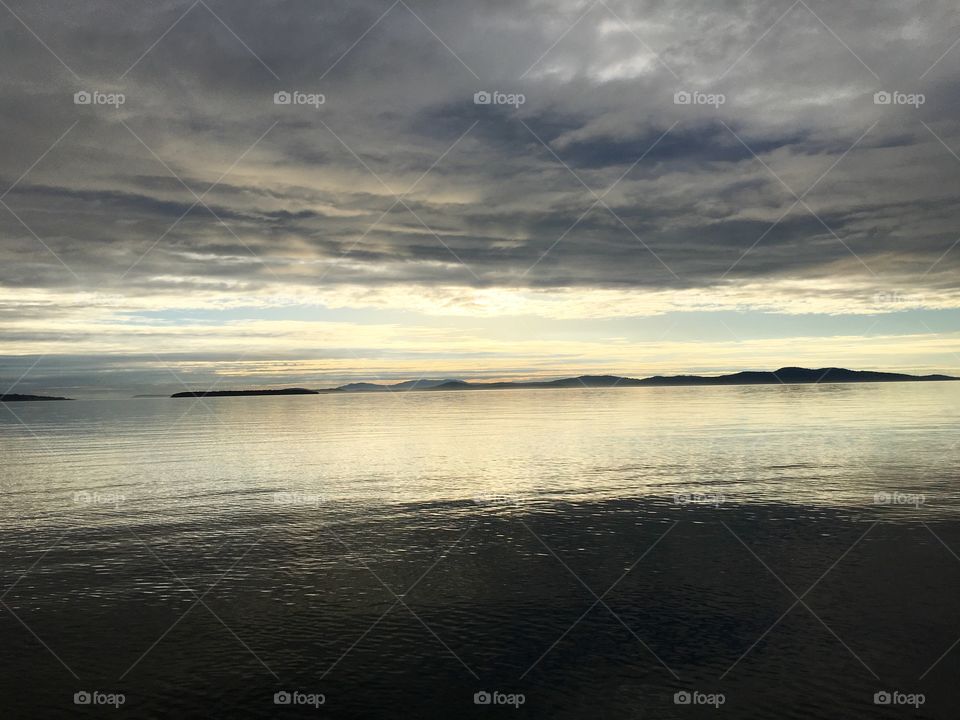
(747, 552)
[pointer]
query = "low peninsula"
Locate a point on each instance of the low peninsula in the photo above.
(28, 398)
(244, 393)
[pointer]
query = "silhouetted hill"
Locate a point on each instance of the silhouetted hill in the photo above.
(791, 376)
(574, 382)
(422, 384)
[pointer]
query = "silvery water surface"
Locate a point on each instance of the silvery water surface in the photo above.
(789, 551)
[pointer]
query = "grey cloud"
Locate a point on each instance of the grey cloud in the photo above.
(399, 99)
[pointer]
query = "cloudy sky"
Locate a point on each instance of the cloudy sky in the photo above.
(487, 189)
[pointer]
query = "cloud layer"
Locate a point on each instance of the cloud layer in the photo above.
(785, 185)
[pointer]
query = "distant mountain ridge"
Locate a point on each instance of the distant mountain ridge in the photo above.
(783, 376)
(422, 384)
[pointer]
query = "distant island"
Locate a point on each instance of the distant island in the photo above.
(783, 376)
(240, 393)
(28, 398)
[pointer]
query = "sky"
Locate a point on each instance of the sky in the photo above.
(474, 189)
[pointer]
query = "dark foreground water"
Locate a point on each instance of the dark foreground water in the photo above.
(766, 552)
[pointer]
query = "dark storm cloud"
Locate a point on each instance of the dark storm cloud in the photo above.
(499, 201)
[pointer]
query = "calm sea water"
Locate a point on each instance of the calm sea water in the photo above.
(790, 551)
